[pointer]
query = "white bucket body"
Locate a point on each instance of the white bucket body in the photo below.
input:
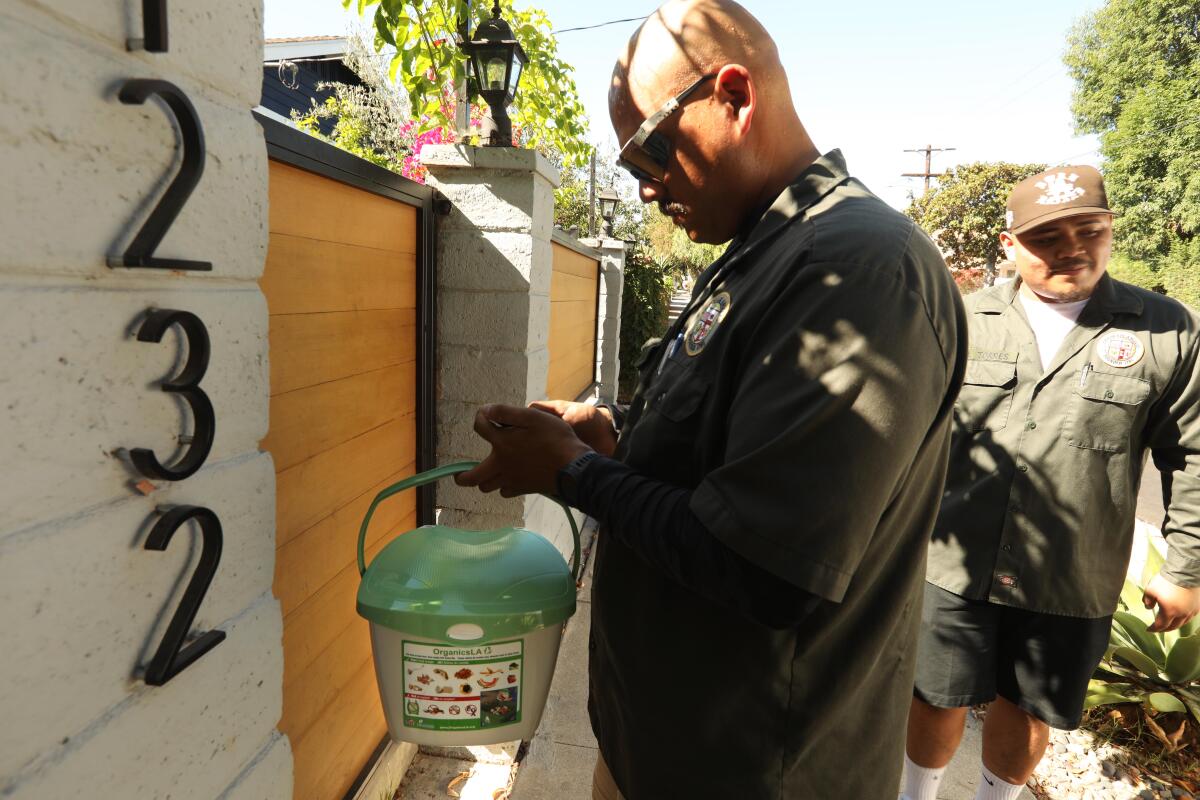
(446, 693)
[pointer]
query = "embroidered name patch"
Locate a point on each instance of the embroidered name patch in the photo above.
(706, 322)
(992, 355)
(1120, 349)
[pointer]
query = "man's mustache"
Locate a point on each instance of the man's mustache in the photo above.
(1077, 263)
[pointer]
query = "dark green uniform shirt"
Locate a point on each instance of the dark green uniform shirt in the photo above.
(1045, 466)
(807, 405)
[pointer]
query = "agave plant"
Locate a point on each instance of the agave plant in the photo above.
(1158, 670)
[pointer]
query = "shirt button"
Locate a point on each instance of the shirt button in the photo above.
(1031, 424)
(1108, 395)
(1006, 547)
(1022, 468)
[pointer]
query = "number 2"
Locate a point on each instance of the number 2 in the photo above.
(140, 252)
(172, 657)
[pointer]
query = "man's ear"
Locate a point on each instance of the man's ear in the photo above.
(1009, 243)
(736, 92)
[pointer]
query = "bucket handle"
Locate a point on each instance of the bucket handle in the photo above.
(436, 474)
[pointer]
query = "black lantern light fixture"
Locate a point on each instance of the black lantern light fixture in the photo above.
(608, 209)
(496, 59)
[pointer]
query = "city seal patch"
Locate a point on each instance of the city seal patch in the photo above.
(1120, 349)
(706, 322)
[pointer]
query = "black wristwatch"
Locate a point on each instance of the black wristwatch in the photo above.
(567, 479)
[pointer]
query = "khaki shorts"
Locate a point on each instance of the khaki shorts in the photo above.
(603, 785)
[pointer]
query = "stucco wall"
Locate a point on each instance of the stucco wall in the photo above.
(85, 605)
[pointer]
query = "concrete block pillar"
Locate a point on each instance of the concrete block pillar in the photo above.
(494, 267)
(608, 317)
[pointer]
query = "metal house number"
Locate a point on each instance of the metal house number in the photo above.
(175, 652)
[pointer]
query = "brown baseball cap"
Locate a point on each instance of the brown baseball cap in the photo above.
(1056, 193)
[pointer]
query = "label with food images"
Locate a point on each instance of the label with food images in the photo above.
(462, 687)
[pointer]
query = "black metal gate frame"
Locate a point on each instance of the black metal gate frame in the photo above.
(299, 149)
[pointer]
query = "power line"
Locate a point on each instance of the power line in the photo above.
(600, 25)
(391, 55)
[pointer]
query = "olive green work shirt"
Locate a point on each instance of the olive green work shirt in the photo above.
(1040, 498)
(806, 405)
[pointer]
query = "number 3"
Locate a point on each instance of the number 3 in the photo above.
(187, 385)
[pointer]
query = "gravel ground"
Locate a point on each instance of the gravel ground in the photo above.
(1080, 766)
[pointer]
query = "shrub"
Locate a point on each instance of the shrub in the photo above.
(645, 304)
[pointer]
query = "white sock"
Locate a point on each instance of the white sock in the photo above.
(992, 788)
(921, 783)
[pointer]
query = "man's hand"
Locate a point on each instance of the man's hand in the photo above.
(592, 424)
(1176, 604)
(529, 447)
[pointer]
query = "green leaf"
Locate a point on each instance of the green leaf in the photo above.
(382, 27)
(1147, 642)
(1191, 699)
(1154, 563)
(1105, 694)
(1165, 702)
(1192, 628)
(1183, 662)
(1136, 658)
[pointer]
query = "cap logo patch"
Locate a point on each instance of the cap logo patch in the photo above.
(1058, 188)
(706, 322)
(1120, 349)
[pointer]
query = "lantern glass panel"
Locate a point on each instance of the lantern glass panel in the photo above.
(515, 75)
(494, 72)
(608, 208)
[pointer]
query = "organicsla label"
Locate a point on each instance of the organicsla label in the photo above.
(462, 688)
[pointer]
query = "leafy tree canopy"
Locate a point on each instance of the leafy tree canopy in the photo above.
(1136, 66)
(429, 63)
(964, 213)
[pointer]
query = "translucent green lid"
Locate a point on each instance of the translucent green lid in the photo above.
(509, 582)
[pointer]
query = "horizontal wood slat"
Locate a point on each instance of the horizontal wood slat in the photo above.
(312, 559)
(574, 286)
(340, 284)
(313, 627)
(305, 204)
(566, 287)
(568, 261)
(338, 744)
(308, 275)
(567, 385)
(309, 421)
(307, 349)
(314, 489)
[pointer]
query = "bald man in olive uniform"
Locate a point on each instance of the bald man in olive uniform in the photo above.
(767, 507)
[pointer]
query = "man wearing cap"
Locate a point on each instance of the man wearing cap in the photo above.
(1072, 377)
(766, 511)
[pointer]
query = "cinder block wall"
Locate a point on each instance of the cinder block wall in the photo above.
(84, 604)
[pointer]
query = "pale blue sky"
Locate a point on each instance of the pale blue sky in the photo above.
(870, 77)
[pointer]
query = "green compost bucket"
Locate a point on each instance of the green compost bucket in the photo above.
(465, 626)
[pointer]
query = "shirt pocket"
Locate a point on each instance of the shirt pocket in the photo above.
(1104, 410)
(682, 400)
(986, 395)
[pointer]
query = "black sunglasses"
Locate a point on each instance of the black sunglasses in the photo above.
(645, 156)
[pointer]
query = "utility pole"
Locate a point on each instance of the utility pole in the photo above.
(462, 106)
(592, 198)
(928, 150)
